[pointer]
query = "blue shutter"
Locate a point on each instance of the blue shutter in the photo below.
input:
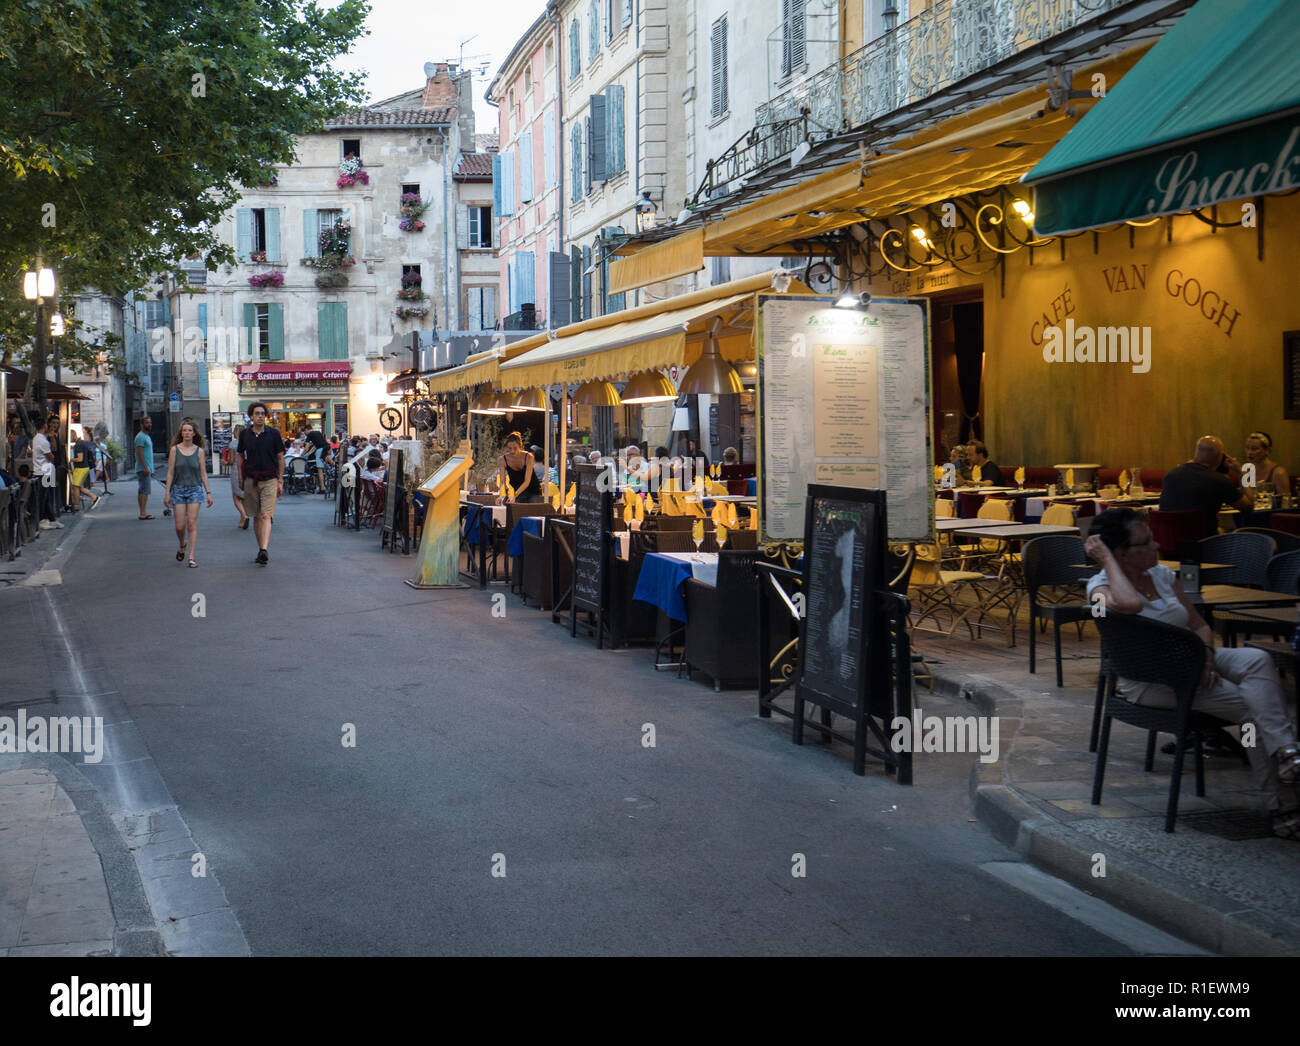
(575, 161)
(250, 330)
(526, 167)
(497, 177)
(203, 380)
(557, 286)
(310, 233)
(275, 312)
(203, 318)
(512, 285)
(273, 234)
(614, 134)
(508, 182)
(593, 33)
(332, 330)
(575, 49)
(527, 277)
(597, 168)
(243, 233)
(548, 148)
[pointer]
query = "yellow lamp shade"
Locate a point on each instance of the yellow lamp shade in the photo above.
(529, 399)
(648, 387)
(596, 394)
(484, 403)
(711, 375)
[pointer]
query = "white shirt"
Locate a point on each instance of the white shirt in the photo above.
(42, 456)
(1167, 607)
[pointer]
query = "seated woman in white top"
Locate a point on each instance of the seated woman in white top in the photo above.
(374, 469)
(1239, 685)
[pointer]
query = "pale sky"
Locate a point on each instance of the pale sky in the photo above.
(404, 35)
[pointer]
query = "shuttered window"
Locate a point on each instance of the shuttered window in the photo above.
(481, 307)
(575, 50)
(575, 282)
(271, 217)
(794, 50)
(310, 234)
(596, 167)
(275, 330)
(496, 182)
(557, 285)
(593, 30)
(586, 283)
(265, 326)
(627, 12)
(526, 167)
(575, 158)
(506, 204)
(615, 135)
(718, 41)
(609, 18)
(548, 148)
(332, 330)
(243, 233)
(525, 277)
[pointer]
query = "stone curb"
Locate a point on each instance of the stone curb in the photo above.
(1199, 915)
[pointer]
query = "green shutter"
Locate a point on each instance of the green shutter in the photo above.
(250, 326)
(332, 325)
(273, 234)
(203, 318)
(276, 324)
(310, 233)
(243, 233)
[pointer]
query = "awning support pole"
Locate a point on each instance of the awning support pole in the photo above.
(564, 437)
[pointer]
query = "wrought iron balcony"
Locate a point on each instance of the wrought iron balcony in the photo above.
(940, 47)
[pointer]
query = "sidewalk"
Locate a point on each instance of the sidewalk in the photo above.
(1221, 880)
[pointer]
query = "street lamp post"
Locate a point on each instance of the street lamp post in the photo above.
(38, 284)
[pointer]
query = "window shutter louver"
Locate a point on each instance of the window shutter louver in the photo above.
(596, 140)
(250, 332)
(586, 283)
(593, 31)
(557, 285)
(576, 163)
(273, 234)
(794, 47)
(508, 190)
(489, 308)
(203, 318)
(275, 312)
(526, 167)
(462, 226)
(496, 183)
(575, 282)
(526, 273)
(615, 160)
(719, 81)
(310, 234)
(243, 233)
(575, 50)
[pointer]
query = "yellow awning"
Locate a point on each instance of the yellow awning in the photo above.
(663, 261)
(481, 367)
(651, 337)
(978, 151)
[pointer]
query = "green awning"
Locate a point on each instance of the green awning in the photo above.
(1210, 114)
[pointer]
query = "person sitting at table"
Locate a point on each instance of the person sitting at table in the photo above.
(374, 469)
(516, 467)
(730, 456)
(1238, 684)
(960, 463)
(1203, 484)
(1259, 450)
(977, 454)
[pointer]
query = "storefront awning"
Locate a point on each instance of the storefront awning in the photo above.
(1211, 114)
(651, 337)
(16, 384)
(480, 368)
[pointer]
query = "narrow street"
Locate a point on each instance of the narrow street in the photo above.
(476, 736)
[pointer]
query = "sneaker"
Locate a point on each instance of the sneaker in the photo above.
(45, 524)
(262, 557)
(57, 525)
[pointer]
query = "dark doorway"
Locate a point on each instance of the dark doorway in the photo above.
(957, 370)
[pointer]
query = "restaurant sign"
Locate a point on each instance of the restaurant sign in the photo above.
(294, 372)
(1251, 161)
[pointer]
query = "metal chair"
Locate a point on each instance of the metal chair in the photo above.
(1282, 541)
(1053, 561)
(1281, 575)
(1147, 651)
(298, 476)
(1246, 554)
(721, 625)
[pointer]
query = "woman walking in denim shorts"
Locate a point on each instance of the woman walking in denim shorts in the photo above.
(187, 486)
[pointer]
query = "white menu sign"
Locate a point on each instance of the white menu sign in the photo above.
(844, 398)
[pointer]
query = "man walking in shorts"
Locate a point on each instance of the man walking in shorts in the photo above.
(144, 465)
(259, 456)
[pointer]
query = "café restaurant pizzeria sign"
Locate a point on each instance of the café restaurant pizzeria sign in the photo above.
(280, 375)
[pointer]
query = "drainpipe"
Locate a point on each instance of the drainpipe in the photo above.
(446, 181)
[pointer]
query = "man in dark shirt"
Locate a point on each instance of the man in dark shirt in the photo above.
(259, 456)
(1203, 484)
(320, 445)
(977, 454)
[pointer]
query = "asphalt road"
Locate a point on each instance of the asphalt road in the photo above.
(478, 736)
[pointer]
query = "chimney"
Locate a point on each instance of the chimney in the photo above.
(440, 89)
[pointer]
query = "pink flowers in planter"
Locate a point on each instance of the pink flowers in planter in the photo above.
(350, 172)
(267, 279)
(411, 225)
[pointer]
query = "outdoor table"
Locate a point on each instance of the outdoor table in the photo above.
(471, 526)
(739, 499)
(1208, 570)
(1012, 531)
(1236, 597)
(942, 525)
(1282, 615)
(664, 573)
(535, 525)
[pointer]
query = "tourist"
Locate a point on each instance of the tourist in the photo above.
(143, 449)
(260, 458)
(977, 455)
(83, 461)
(44, 475)
(1239, 685)
(236, 482)
(187, 486)
(1270, 477)
(730, 456)
(374, 470)
(1202, 484)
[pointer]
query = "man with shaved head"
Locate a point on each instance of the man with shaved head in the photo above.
(1203, 484)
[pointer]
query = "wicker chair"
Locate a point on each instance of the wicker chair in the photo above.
(722, 622)
(1282, 541)
(1053, 561)
(1148, 651)
(741, 541)
(1281, 575)
(1247, 554)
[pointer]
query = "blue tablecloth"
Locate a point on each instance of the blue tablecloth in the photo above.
(525, 525)
(751, 486)
(469, 524)
(660, 584)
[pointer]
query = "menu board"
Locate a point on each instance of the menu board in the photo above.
(394, 488)
(223, 430)
(341, 418)
(842, 566)
(594, 510)
(844, 399)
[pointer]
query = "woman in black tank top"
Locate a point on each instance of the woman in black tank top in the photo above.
(517, 467)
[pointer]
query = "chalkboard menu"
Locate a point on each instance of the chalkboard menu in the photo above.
(590, 546)
(844, 556)
(341, 418)
(1291, 374)
(223, 430)
(393, 492)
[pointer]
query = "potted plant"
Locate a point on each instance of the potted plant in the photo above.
(412, 207)
(411, 288)
(266, 279)
(406, 312)
(350, 172)
(257, 256)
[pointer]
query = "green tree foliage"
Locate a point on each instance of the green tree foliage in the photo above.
(128, 127)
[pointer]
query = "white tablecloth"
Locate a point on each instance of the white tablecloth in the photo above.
(704, 565)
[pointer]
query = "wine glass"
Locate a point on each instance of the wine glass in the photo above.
(697, 535)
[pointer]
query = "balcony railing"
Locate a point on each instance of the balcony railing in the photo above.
(941, 46)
